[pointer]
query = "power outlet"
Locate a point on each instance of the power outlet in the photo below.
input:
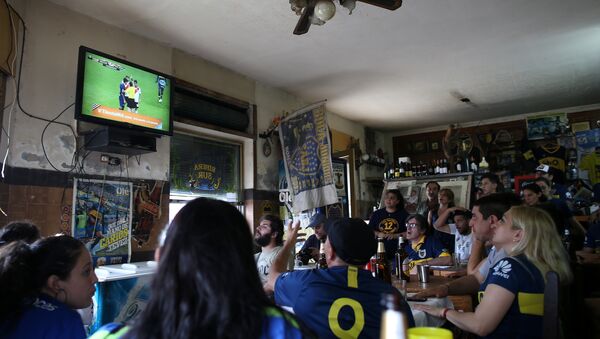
(113, 161)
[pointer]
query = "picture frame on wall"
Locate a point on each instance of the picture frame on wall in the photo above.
(419, 146)
(547, 126)
(434, 145)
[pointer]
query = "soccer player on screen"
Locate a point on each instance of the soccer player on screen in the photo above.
(162, 83)
(122, 87)
(136, 97)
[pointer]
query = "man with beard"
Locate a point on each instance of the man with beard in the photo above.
(269, 236)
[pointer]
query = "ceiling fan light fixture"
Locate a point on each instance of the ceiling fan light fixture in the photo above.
(324, 10)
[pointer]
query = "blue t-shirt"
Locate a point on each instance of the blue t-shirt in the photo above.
(447, 239)
(592, 235)
(341, 301)
(389, 223)
(425, 248)
(46, 318)
(277, 324)
(524, 317)
(312, 242)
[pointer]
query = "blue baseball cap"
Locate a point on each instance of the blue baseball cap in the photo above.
(317, 219)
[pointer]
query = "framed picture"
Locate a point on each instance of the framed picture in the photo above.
(546, 126)
(580, 126)
(522, 180)
(419, 146)
(434, 145)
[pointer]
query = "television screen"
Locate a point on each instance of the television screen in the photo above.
(116, 92)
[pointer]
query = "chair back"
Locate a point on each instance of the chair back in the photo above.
(551, 320)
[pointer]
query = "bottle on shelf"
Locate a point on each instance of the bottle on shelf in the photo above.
(402, 169)
(393, 321)
(402, 270)
(382, 268)
(484, 167)
(322, 263)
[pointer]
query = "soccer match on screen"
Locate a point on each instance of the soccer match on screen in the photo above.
(123, 93)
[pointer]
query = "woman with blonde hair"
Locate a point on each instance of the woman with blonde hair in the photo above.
(512, 296)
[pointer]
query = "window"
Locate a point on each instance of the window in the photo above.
(202, 167)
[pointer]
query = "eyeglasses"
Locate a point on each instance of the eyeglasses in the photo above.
(411, 225)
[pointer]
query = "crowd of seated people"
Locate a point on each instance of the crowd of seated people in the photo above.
(208, 282)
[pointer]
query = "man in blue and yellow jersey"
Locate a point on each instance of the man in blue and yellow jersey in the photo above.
(342, 301)
(422, 248)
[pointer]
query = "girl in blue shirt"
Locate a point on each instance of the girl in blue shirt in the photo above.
(41, 285)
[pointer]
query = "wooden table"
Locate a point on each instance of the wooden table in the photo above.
(461, 302)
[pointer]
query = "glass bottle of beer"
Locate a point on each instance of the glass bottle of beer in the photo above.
(322, 263)
(402, 270)
(393, 321)
(382, 269)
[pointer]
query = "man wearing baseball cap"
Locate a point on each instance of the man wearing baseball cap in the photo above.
(343, 300)
(311, 246)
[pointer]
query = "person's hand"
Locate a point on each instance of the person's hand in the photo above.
(292, 231)
(438, 292)
(434, 311)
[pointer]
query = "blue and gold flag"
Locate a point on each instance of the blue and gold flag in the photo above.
(306, 149)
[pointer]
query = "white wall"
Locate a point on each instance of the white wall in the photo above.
(48, 86)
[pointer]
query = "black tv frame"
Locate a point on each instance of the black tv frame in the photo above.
(88, 118)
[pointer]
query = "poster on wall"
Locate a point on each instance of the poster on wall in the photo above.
(146, 209)
(547, 126)
(339, 178)
(102, 219)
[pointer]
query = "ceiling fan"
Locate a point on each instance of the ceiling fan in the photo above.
(317, 12)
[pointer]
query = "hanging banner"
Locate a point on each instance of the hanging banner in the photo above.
(306, 149)
(102, 219)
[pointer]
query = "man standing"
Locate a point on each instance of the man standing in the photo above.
(431, 204)
(162, 83)
(487, 212)
(347, 304)
(313, 243)
(269, 236)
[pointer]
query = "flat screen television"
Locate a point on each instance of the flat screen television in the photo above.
(112, 91)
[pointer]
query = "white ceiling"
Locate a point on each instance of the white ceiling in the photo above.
(391, 70)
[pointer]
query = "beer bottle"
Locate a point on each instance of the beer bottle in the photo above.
(402, 270)
(322, 263)
(393, 321)
(382, 269)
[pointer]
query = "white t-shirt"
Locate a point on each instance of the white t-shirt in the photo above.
(264, 261)
(462, 244)
(491, 260)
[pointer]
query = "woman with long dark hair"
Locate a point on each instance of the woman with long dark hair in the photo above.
(207, 285)
(41, 285)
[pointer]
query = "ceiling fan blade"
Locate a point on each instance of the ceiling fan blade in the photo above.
(387, 4)
(304, 22)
